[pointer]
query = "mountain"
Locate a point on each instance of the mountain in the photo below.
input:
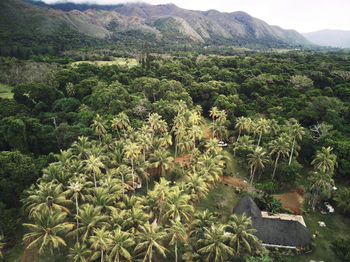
(333, 38)
(74, 25)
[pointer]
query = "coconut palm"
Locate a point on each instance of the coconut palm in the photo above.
(47, 197)
(177, 205)
(196, 186)
(81, 146)
(201, 220)
(213, 245)
(144, 139)
(257, 159)
(162, 190)
(133, 218)
(242, 239)
(100, 241)
(296, 131)
(214, 113)
(213, 147)
(262, 126)
(325, 160)
(79, 253)
(90, 218)
(279, 146)
(75, 188)
(161, 160)
(99, 125)
(222, 116)
(156, 123)
(93, 165)
(241, 125)
(123, 171)
(320, 183)
(121, 121)
(132, 150)
(120, 242)
(101, 197)
(179, 131)
(47, 231)
(177, 232)
(150, 239)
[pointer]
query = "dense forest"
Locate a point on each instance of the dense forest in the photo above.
(115, 162)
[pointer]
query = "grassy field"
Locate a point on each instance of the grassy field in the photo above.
(130, 62)
(337, 226)
(5, 91)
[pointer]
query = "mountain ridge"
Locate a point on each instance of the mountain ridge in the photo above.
(164, 25)
(330, 37)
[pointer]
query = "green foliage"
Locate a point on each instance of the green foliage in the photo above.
(341, 248)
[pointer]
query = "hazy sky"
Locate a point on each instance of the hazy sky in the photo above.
(302, 15)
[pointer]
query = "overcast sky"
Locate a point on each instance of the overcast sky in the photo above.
(301, 15)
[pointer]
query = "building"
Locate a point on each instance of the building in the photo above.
(281, 231)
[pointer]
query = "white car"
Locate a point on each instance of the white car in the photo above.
(329, 208)
(222, 144)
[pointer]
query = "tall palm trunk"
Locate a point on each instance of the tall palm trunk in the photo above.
(176, 251)
(52, 253)
(77, 211)
(101, 255)
(239, 134)
(252, 173)
(123, 183)
(291, 152)
(259, 140)
(95, 179)
(213, 129)
(132, 173)
(275, 167)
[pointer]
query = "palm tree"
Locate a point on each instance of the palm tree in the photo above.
(81, 147)
(150, 238)
(132, 150)
(214, 246)
(196, 186)
(133, 218)
(144, 139)
(320, 182)
(79, 253)
(242, 238)
(214, 113)
(325, 160)
(201, 220)
(47, 230)
(120, 243)
(99, 125)
(121, 121)
(162, 190)
(257, 159)
(279, 146)
(123, 171)
(213, 147)
(101, 197)
(47, 197)
(195, 132)
(154, 121)
(177, 232)
(161, 160)
(297, 132)
(93, 165)
(241, 125)
(179, 131)
(222, 116)
(75, 188)
(262, 126)
(177, 205)
(90, 218)
(100, 241)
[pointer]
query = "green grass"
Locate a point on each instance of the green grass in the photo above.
(130, 62)
(337, 226)
(221, 200)
(5, 91)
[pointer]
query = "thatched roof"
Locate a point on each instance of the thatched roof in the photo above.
(273, 231)
(248, 207)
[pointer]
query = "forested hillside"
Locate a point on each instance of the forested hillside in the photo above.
(119, 162)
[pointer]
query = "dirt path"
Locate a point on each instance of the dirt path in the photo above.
(292, 200)
(234, 182)
(183, 160)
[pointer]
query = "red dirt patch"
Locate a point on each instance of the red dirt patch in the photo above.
(183, 160)
(292, 200)
(233, 181)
